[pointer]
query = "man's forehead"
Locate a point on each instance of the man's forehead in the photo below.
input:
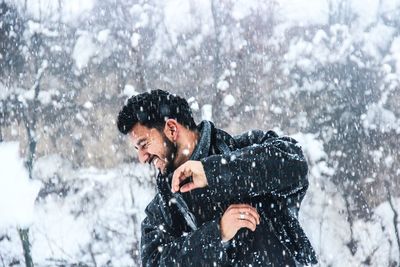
(139, 132)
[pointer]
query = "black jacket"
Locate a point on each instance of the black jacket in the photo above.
(257, 168)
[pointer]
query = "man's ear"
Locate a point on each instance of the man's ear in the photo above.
(171, 129)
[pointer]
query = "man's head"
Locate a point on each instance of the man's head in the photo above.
(159, 124)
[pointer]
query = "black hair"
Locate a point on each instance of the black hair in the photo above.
(153, 109)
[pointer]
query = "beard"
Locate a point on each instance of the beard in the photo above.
(170, 154)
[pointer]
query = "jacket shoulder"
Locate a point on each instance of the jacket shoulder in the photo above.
(254, 137)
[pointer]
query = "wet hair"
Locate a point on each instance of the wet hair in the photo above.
(153, 109)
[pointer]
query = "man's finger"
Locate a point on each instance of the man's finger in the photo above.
(173, 184)
(247, 216)
(188, 187)
(179, 175)
(252, 213)
(245, 208)
(246, 224)
(176, 179)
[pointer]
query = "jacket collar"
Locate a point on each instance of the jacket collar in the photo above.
(203, 145)
(164, 180)
(200, 151)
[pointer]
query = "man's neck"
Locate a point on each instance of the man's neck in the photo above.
(186, 147)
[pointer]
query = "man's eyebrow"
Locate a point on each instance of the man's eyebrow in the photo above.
(140, 140)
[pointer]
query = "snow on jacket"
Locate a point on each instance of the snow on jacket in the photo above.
(257, 168)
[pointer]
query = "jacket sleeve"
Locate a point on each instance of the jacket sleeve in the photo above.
(159, 246)
(263, 164)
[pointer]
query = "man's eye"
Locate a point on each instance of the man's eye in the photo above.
(145, 145)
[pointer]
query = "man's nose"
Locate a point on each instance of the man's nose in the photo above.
(143, 156)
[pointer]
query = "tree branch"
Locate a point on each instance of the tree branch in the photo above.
(352, 244)
(30, 126)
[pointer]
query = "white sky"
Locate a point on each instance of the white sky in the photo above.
(71, 9)
(178, 13)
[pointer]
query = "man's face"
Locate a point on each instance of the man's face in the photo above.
(153, 147)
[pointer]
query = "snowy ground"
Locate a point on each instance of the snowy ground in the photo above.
(80, 216)
(91, 216)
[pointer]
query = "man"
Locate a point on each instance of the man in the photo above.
(222, 200)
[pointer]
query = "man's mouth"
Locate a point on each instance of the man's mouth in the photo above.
(153, 160)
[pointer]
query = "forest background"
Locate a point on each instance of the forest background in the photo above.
(324, 72)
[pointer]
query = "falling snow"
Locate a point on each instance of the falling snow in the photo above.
(327, 76)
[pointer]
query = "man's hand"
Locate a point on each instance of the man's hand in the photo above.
(191, 168)
(238, 216)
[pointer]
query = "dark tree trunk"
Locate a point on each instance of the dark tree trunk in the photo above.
(24, 236)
